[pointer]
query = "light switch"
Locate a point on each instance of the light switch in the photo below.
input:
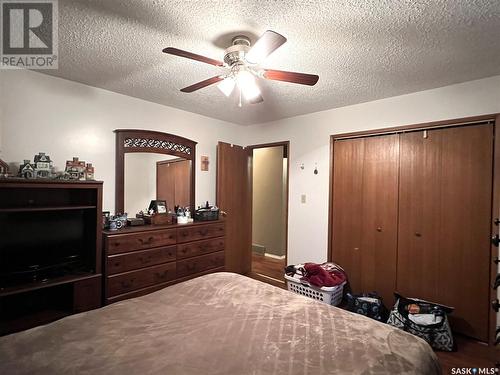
(303, 198)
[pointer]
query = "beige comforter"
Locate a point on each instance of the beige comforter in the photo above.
(216, 324)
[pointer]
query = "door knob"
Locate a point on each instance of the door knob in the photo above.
(379, 229)
(418, 234)
(495, 304)
(495, 240)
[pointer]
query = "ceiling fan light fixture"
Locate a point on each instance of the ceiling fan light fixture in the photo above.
(247, 84)
(226, 86)
(256, 54)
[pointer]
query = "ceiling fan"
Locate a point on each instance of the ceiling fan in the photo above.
(242, 61)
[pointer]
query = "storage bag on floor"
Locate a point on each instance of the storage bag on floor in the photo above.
(368, 304)
(424, 319)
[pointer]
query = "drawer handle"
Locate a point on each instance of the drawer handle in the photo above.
(146, 242)
(203, 232)
(184, 251)
(191, 267)
(162, 275)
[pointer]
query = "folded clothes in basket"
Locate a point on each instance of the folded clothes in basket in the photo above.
(326, 274)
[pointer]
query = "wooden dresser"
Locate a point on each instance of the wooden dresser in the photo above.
(140, 260)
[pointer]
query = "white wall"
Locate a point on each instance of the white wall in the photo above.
(309, 137)
(65, 119)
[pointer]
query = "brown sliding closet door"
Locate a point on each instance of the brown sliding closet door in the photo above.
(444, 221)
(365, 212)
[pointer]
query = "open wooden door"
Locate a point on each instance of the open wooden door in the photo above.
(233, 197)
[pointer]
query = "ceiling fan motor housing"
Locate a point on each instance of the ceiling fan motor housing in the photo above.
(236, 53)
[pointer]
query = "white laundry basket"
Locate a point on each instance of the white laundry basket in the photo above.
(330, 295)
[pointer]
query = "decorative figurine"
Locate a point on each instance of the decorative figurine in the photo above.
(27, 170)
(4, 169)
(75, 169)
(89, 172)
(43, 166)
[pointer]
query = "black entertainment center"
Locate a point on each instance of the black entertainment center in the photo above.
(50, 251)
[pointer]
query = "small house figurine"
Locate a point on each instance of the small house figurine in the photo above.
(43, 165)
(75, 169)
(4, 169)
(27, 170)
(89, 172)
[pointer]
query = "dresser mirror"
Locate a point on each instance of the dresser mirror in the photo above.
(150, 166)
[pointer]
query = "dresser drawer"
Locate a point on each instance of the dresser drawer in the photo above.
(191, 249)
(200, 232)
(139, 241)
(139, 259)
(126, 282)
(197, 264)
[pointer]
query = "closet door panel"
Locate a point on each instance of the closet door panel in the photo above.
(419, 234)
(445, 216)
(347, 208)
(365, 212)
(379, 215)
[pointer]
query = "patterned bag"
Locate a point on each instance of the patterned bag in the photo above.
(424, 319)
(369, 305)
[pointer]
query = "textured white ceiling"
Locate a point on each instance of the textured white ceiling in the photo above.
(362, 49)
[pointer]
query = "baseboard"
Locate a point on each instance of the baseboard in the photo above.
(280, 257)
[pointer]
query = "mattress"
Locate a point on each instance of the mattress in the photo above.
(220, 323)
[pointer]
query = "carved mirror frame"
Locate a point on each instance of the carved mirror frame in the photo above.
(135, 140)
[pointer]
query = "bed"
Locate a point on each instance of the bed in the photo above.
(221, 323)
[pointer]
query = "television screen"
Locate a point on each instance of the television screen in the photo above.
(34, 244)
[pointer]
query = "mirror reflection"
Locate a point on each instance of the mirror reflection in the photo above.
(150, 176)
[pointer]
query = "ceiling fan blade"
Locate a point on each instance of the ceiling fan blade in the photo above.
(293, 77)
(267, 44)
(202, 84)
(192, 56)
(256, 100)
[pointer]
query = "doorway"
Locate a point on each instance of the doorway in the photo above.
(269, 187)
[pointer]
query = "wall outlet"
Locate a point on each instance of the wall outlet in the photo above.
(303, 198)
